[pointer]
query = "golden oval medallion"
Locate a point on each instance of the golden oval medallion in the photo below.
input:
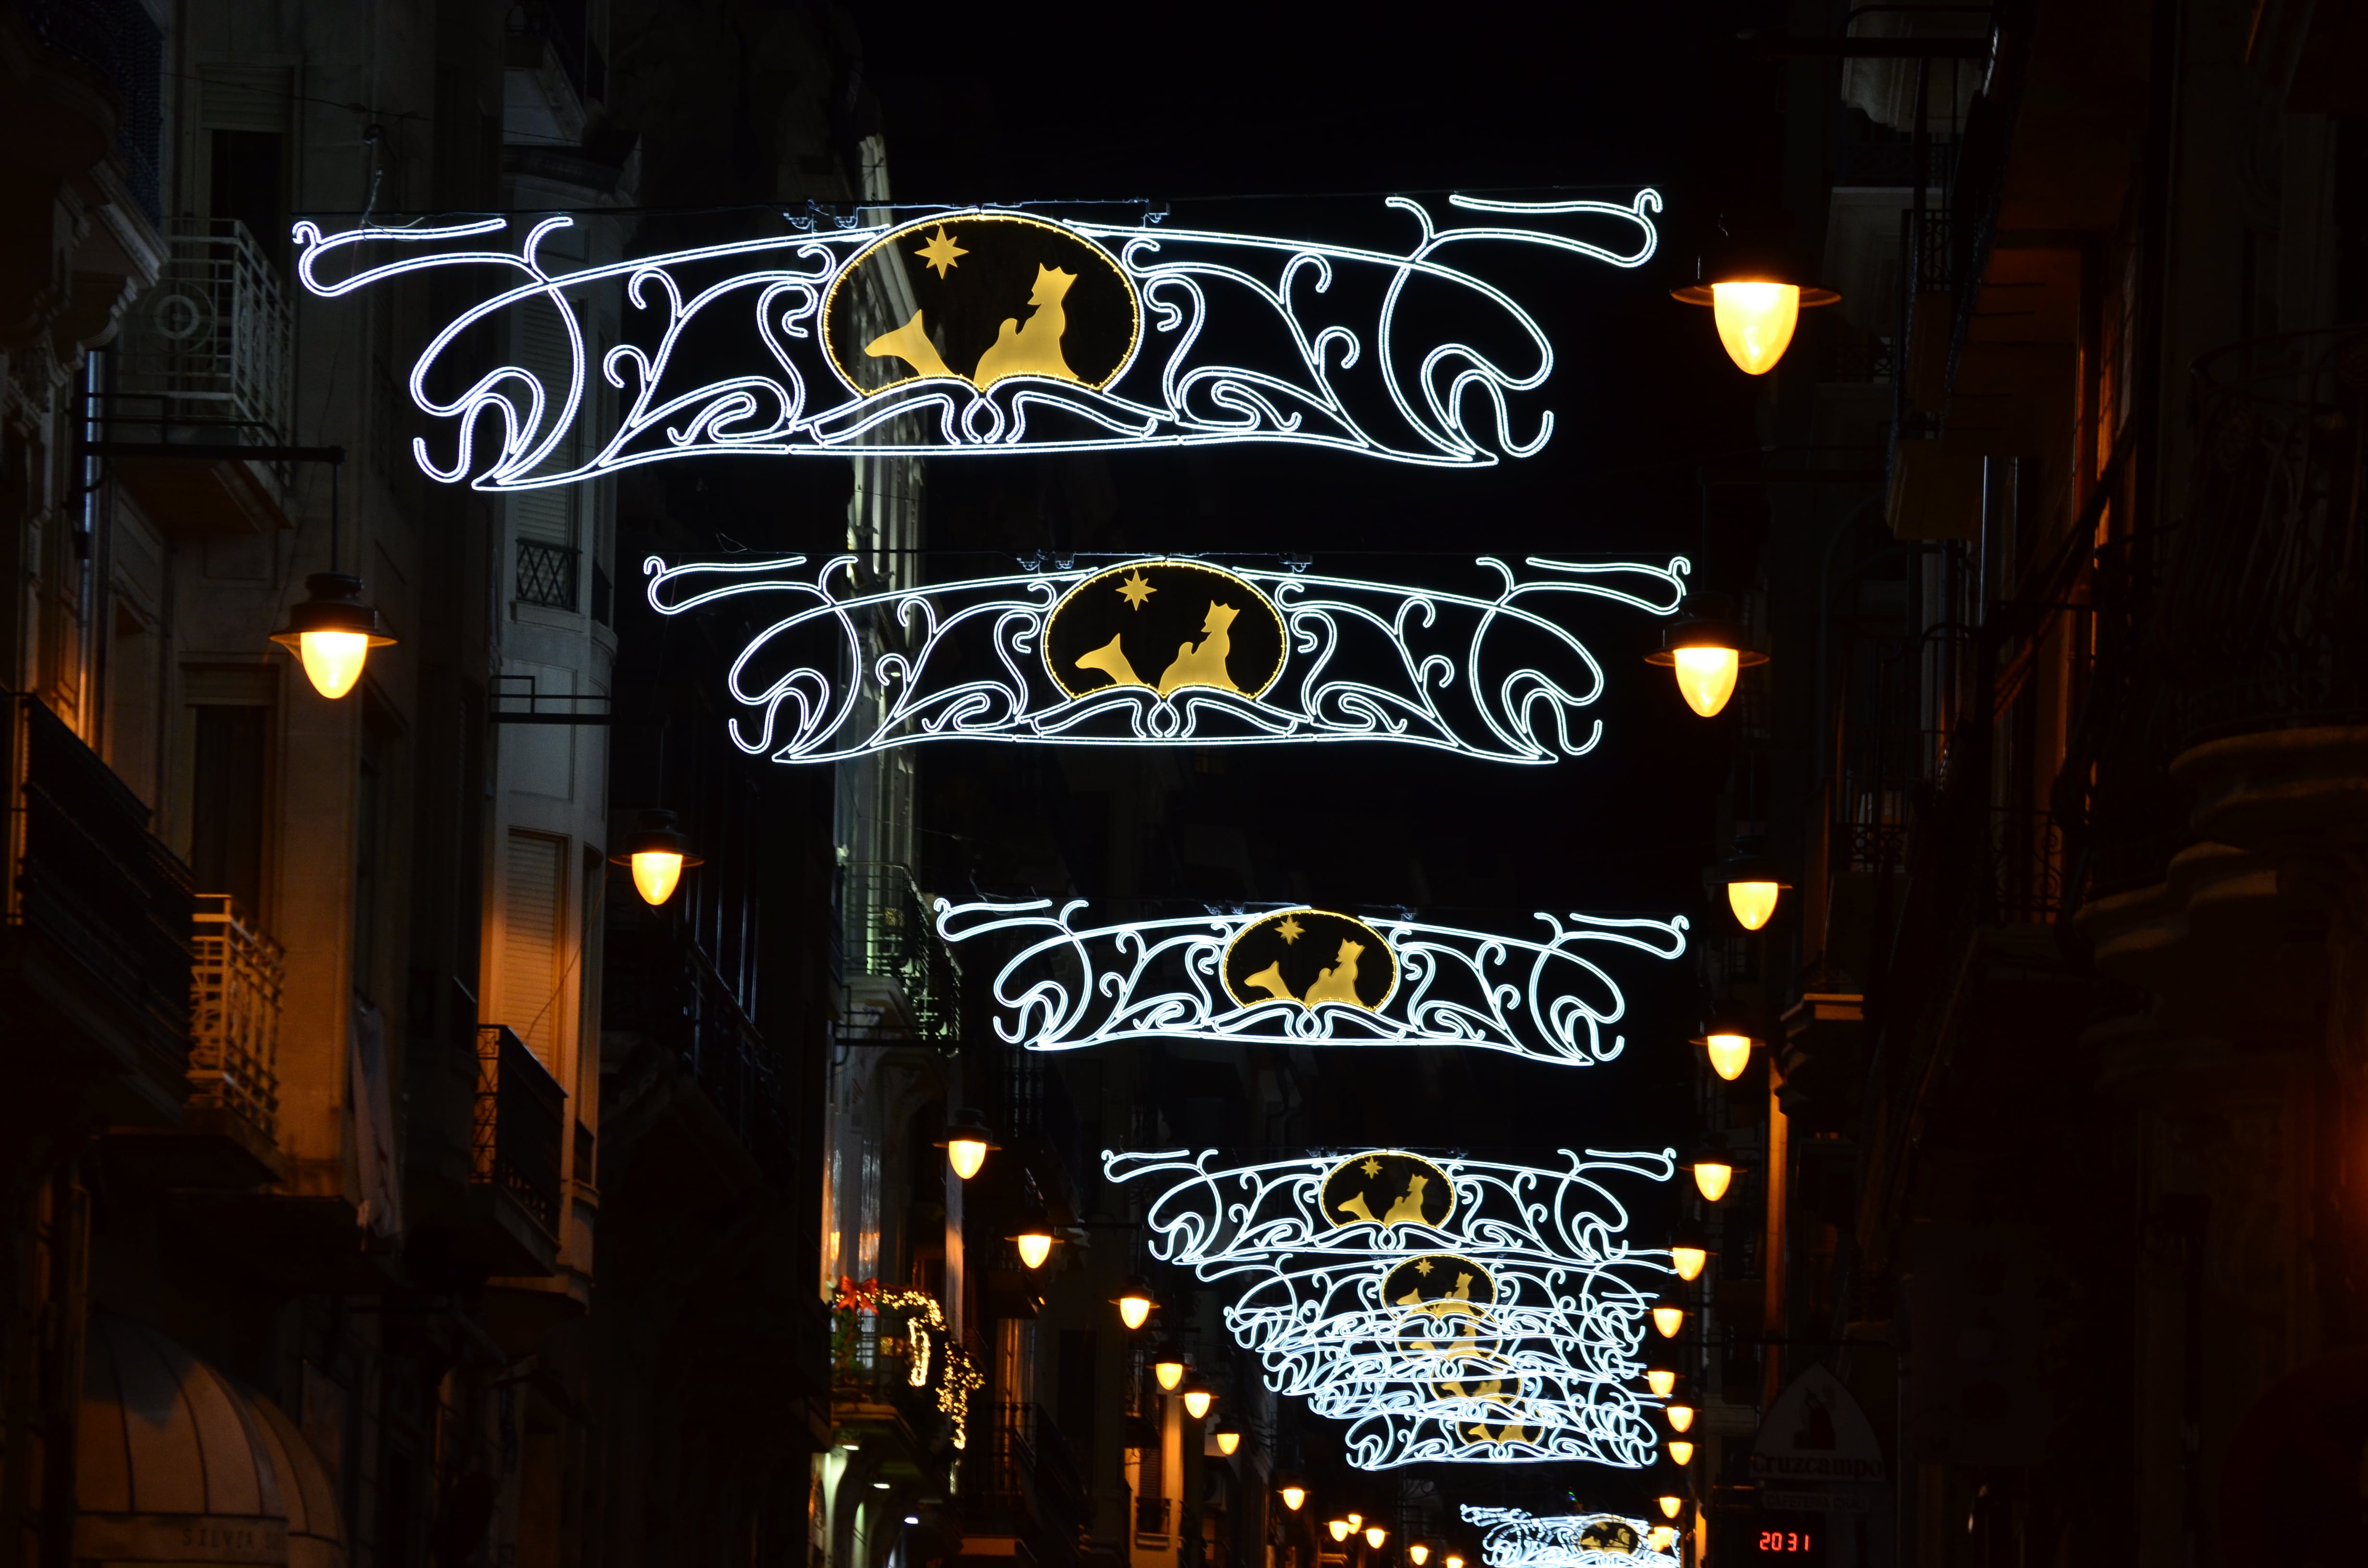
(1385, 1187)
(993, 295)
(1167, 625)
(1310, 957)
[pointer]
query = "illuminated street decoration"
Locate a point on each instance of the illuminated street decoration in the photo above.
(1448, 1309)
(1517, 1539)
(1161, 651)
(957, 1377)
(1303, 976)
(1012, 333)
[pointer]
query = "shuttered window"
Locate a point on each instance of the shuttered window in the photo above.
(532, 952)
(547, 516)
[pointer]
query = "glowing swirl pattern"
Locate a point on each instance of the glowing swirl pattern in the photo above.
(1536, 1360)
(1517, 1539)
(1364, 662)
(1321, 363)
(1072, 986)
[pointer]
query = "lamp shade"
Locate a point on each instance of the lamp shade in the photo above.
(1752, 880)
(1035, 1244)
(1667, 1320)
(1418, 1553)
(1374, 1536)
(1228, 1436)
(1169, 1371)
(1294, 1495)
(966, 1143)
(1663, 1383)
(1681, 1417)
(1706, 648)
(1670, 1506)
(1197, 1398)
(1135, 1303)
(1338, 1529)
(1681, 1451)
(1755, 296)
(657, 852)
(1728, 1037)
(1689, 1259)
(332, 633)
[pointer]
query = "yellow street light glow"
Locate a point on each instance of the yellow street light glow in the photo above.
(332, 633)
(1196, 1400)
(1681, 1451)
(1229, 1437)
(1294, 1497)
(1356, 1521)
(1135, 1304)
(1340, 1528)
(1681, 1417)
(1729, 1054)
(1756, 322)
(1754, 903)
(1672, 1506)
(1712, 1178)
(1374, 1536)
(1169, 1370)
(655, 872)
(332, 660)
(658, 854)
(1035, 1246)
(1663, 1536)
(1668, 1320)
(967, 1144)
(1706, 677)
(1689, 1261)
(1662, 1383)
(1453, 1560)
(1419, 1554)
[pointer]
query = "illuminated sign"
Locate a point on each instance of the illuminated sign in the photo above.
(1303, 976)
(1517, 1539)
(1445, 1309)
(980, 330)
(1161, 651)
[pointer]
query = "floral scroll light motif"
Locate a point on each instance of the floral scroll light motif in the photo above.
(1119, 335)
(1267, 657)
(1447, 1309)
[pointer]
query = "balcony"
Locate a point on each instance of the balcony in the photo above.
(95, 933)
(1029, 1486)
(873, 1385)
(205, 362)
(514, 1151)
(658, 985)
(901, 978)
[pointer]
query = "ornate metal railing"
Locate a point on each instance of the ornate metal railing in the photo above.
(234, 1014)
(659, 983)
(206, 354)
(1030, 1473)
(82, 870)
(546, 574)
(520, 1113)
(887, 933)
(2259, 624)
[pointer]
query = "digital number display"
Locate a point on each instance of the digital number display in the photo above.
(1784, 1542)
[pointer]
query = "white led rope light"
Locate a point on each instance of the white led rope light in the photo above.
(1517, 1539)
(1449, 1309)
(1073, 984)
(1341, 378)
(1498, 678)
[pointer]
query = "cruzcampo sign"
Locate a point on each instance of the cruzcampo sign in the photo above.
(1816, 1439)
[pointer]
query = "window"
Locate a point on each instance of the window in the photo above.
(227, 802)
(533, 952)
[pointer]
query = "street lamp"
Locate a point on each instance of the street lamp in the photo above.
(1229, 1437)
(1661, 1382)
(1134, 1303)
(1035, 1243)
(966, 1143)
(1728, 1037)
(1374, 1536)
(1668, 1320)
(332, 633)
(1672, 1506)
(1168, 1370)
(1752, 880)
(1419, 1553)
(1713, 1174)
(657, 852)
(1198, 1397)
(1756, 298)
(1681, 1451)
(1295, 1496)
(1681, 1417)
(1340, 1528)
(1663, 1536)
(1706, 648)
(1689, 1259)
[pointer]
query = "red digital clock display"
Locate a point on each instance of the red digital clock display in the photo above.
(1784, 1542)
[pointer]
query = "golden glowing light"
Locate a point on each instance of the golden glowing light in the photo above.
(1356, 1521)
(1753, 903)
(1294, 1497)
(1729, 1055)
(1663, 1536)
(1169, 1371)
(1197, 1402)
(1134, 1307)
(1706, 677)
(1374, 1536)
(1668, 1320)
(1340, 1528)
(1689, 1261)
(1228, 1439)
(1712, 1178)
(655, 872)
(1662, 1383)
(1672, 1506)
(966, 1155)
(1681, 1418)
(332, 660)
(1035, 1246)
(1453, 1560)
(1419, 1554)
(1681, 1451)
(1756, 322)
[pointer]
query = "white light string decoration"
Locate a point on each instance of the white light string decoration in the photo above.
(1449, 1309)
(1165, 651)
(1517, 1539)
(932, 335)
(1305, 976)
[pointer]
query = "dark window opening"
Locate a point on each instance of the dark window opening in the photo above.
(250, 185)
(227, 804)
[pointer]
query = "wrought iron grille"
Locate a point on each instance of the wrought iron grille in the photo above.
(546, 575)
(211, 345)
(234, 1014)
(888, 933)
(520, 1109)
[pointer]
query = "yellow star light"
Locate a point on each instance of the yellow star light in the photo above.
(1372, 1167)
(940, 252)
(1289, 930)
(1423, 1267)
(1134, 590)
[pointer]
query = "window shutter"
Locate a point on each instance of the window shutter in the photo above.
(531, 948)
(547, 516)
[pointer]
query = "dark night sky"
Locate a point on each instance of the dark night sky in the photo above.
(1041, 101)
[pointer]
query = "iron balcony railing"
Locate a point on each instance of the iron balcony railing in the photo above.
(657, 982)
(887, 932)
(520, 1116)
(1030, 1472)
(546, 574)
(83, 870)
(206, 354)
(234, 1015)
